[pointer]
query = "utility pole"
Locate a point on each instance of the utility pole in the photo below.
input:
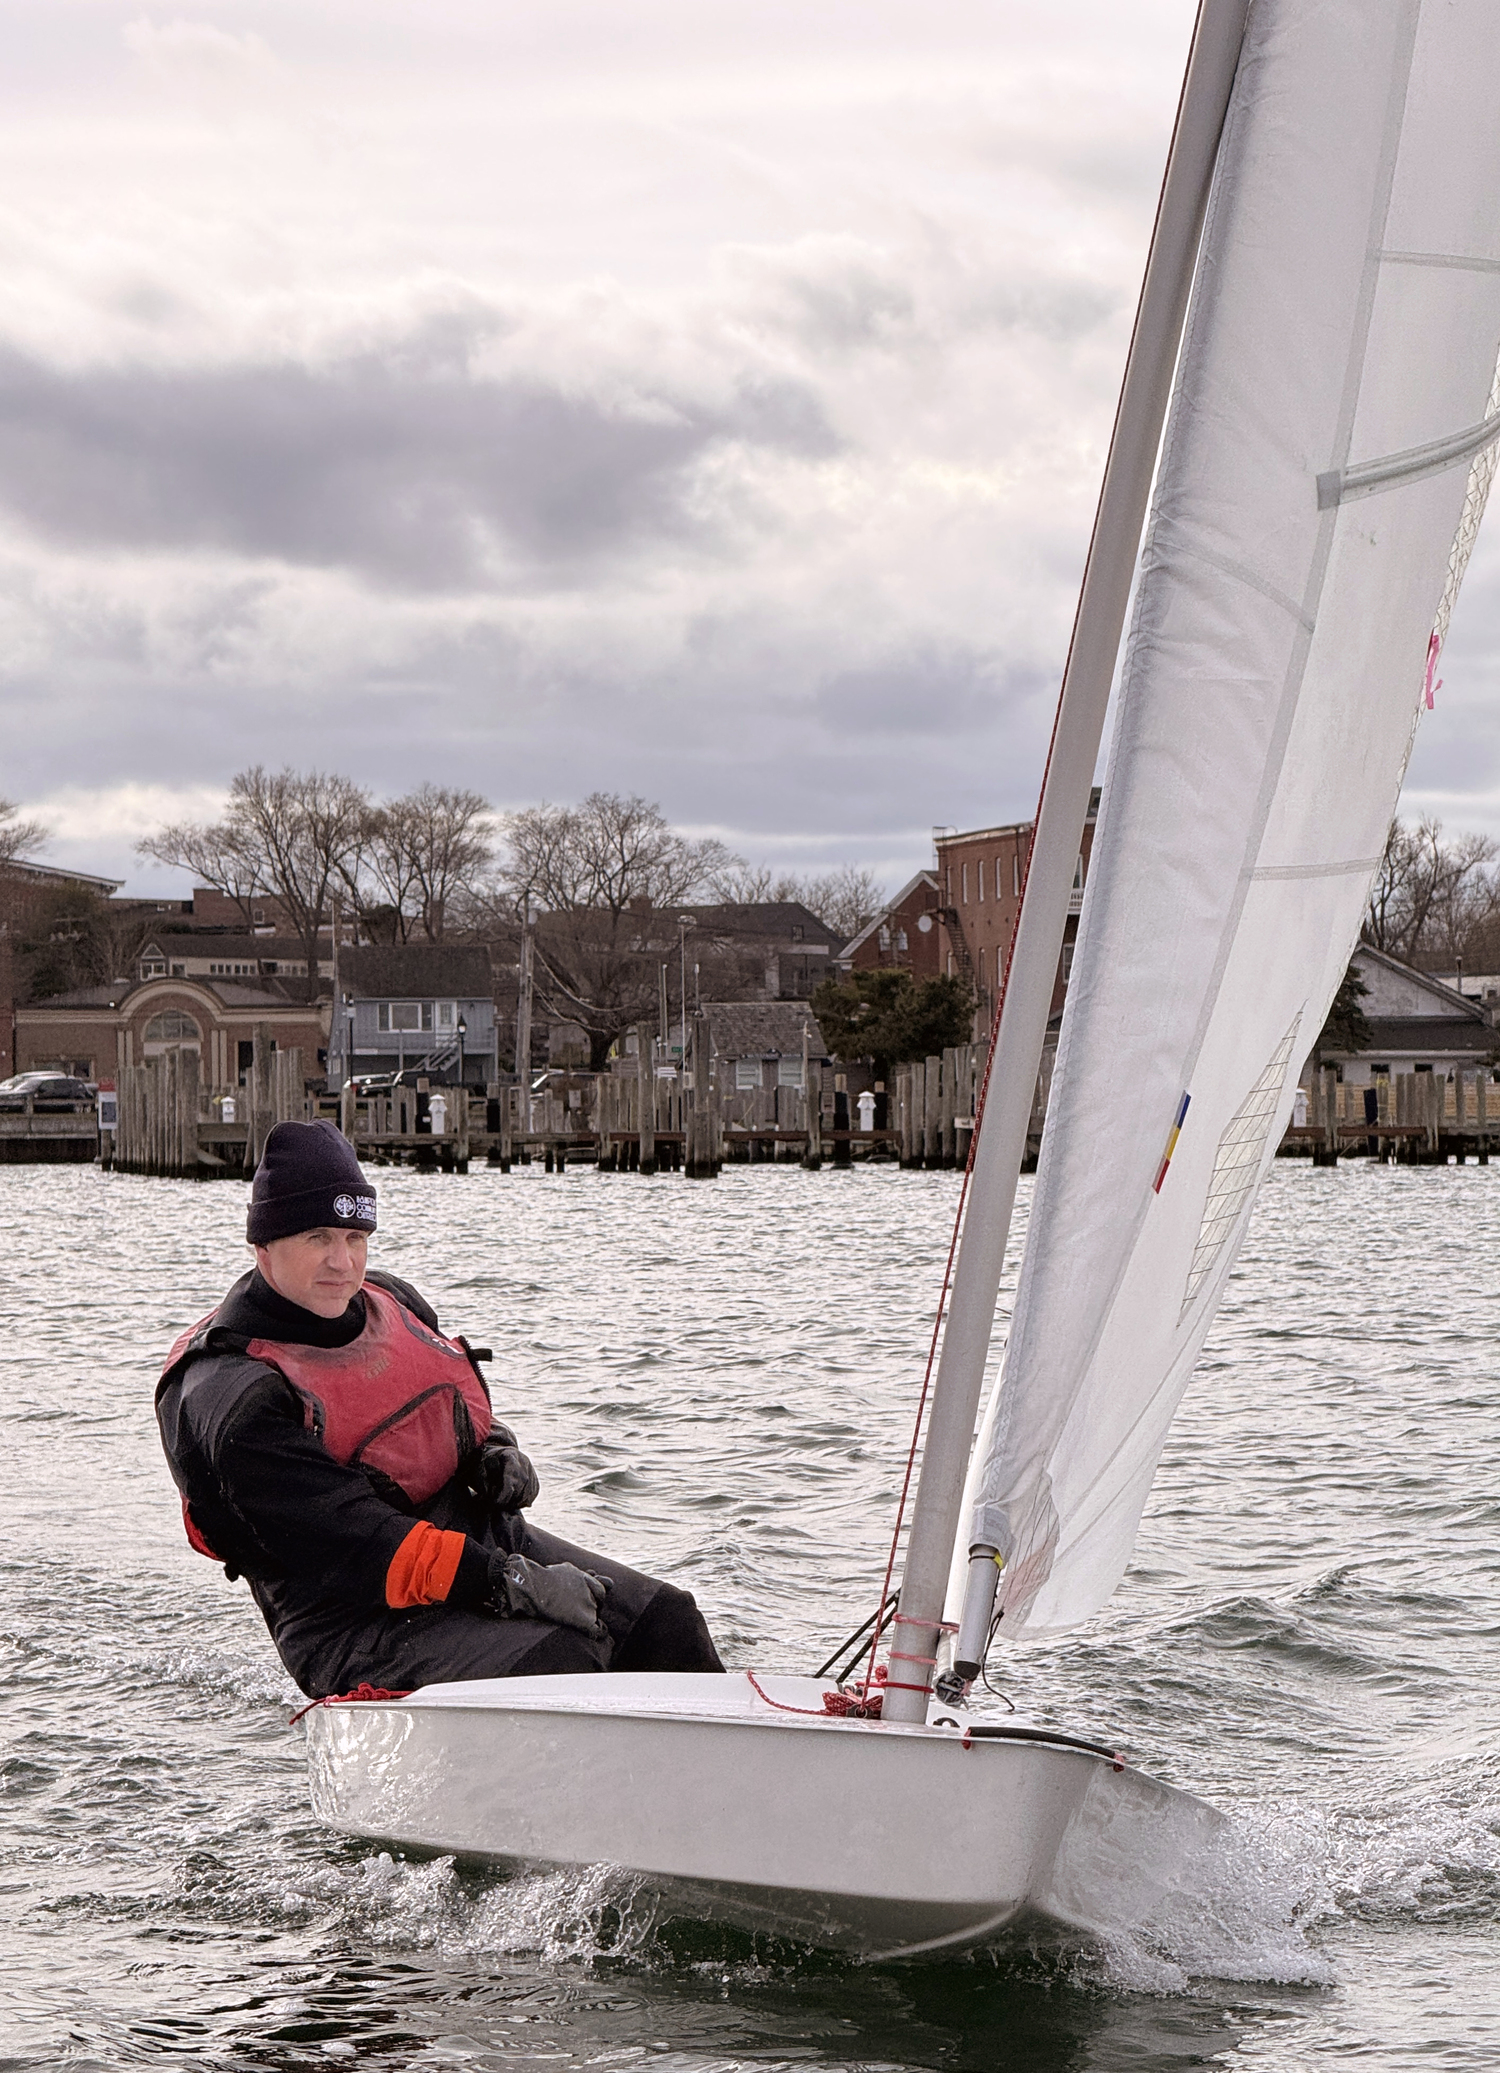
(336, 1006)
(684, 923)
(523, 1021)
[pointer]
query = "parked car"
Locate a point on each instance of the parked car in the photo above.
(45, 1091)
(383, 1082)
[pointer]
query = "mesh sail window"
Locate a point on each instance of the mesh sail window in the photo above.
(1237, 1164)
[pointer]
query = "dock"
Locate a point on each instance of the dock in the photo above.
(1414, 1119)
(169, 1122)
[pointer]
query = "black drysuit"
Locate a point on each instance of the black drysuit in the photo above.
(320, 1541)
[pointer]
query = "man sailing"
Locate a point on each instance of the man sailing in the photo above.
(333, 1446)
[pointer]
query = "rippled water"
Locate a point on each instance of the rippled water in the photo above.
(716, 1382)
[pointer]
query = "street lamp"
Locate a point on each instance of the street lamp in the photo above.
(463, 1030)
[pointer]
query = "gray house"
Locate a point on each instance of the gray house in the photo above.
(426, 1007)
(757, 1049)
(1417, 1024)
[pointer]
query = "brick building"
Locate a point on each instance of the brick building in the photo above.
(98, 1029)
(24, 890)
(958, 918)
(980, 874)
(909, 935)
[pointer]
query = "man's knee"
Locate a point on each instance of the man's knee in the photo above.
(563, 1653)
(670, 1634)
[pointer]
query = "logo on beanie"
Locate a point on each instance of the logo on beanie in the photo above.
(344, 1205)
(354, 1205)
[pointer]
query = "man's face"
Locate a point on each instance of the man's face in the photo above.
(321, 1270)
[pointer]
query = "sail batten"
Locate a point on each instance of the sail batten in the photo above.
(1279, 651)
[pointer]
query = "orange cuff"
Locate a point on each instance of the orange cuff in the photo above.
(423, 1567)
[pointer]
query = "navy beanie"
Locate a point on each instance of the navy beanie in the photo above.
(308, 1179)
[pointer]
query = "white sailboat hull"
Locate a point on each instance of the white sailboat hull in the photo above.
(881, 1841)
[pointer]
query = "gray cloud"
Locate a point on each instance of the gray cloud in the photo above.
(702, 402)
(403, 466)
(925, 691)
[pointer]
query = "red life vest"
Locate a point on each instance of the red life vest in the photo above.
(400, 1399)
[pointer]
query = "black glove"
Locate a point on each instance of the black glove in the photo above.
(500, 1474)
(565, 1596)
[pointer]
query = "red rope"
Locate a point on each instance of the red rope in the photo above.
(361, 1692)
(861, 1706)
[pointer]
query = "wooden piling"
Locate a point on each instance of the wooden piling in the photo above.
(812, 1103)
(932, 1127)
(645, 1081)
(700, 1151)
(1481, 1114)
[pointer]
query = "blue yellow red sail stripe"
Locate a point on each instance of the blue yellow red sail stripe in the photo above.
(1173, 1135)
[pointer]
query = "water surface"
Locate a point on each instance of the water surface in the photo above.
(716, 1380)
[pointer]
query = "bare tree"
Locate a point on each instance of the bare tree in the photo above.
(752, 885)
(17, 835)
(421, 852)
(846, 898)
(215, 855)
(74, 935)
(608, 854)
(1434, 901)
(608, 876)
(292, 836)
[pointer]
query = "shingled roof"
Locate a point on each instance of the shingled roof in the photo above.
(762, 1029)
(416, 971)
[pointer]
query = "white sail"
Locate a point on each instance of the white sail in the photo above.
(1319, 484)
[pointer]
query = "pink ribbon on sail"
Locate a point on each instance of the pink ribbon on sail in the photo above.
(1434, 649)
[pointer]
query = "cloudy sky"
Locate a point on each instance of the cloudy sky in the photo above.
(705, 400)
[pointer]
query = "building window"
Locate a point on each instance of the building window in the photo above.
(1015, 875)
(447, 1014)
(948, 877)
(747, 1074)
(885, 937)
(979, 964)
(1067, 962)
(964, 880)
(404, 1015)
(171, 1027)
(153, 968)
(979, 873)
(901, 939)
(789, 1071)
